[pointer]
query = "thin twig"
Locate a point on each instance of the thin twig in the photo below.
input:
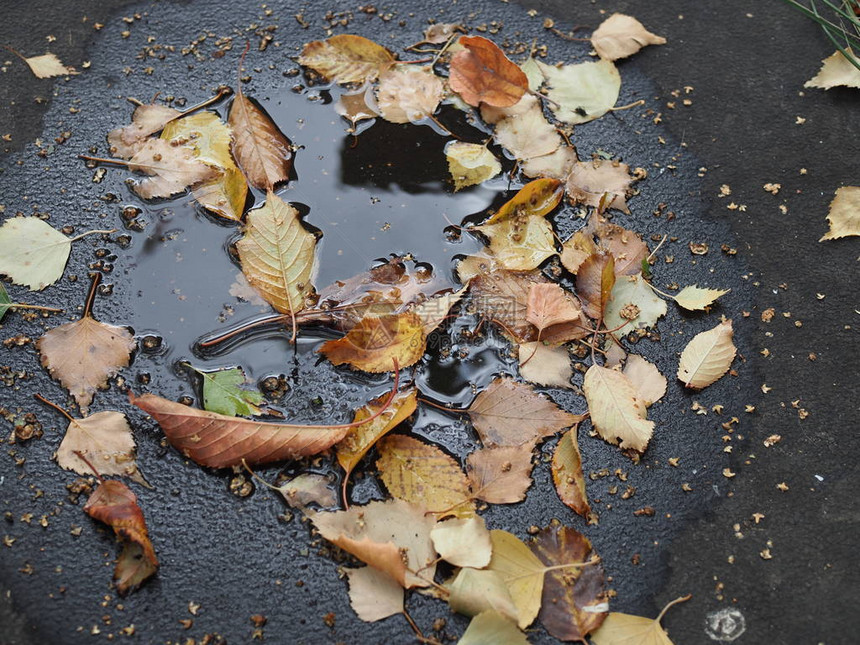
(91, 296)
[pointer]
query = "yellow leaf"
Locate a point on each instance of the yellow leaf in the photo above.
(520, 243)
(347, 58)
(491, 628)
(408, 95)
(470, 163)
(844, 215)
(373, 594)
(708, 356)
(474, 591)
(616, 412)
(47, 66)
(421, 473)
(567, 473)
(650, 384)
(464, 542)
(545, 365)
(522, 572)
(538, 197)
(620, 36)
(172, 169)
(582, 92)
(625, 629)
(696, 298)
(836, 70)
(376, 341)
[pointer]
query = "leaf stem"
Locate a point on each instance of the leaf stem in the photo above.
(19, 305)
(413, 62)
(89, 463)
(91, 296)
(83, 235)
(116, 162)
(672, 604)
(41, 398)
(441, 407)
(543, 97)
(628, 106)
(653, 253)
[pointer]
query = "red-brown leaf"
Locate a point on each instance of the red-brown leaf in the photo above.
(594, 282)
(483, 74)
(261, 150)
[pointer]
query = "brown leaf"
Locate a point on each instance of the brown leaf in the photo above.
(602, 184)
(417, 472)
(707, 356)
(509, 413)
(113, 503)
(146, 120)
(84, 354)
(626, 247)
(440, 32)
(172, 169)
(620, 36)
(577, 250)
(567, 473)
(545, 364)
(503, 295)
(347, 58)
(483, 74)
(557, 164)
(220, 441)
(105, 440)
(574, 602)
(550, 305)
(376, 341)
(501, 474)
(357, 106)
(594, 281)
(262, 151)
(391, 536)
(538, 197)
(408, 95)
(308, 488)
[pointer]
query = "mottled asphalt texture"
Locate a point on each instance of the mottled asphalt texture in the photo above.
(786, 573)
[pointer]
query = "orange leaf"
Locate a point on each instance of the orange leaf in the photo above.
(261, 150)
(550, 305)
(375, 341)
(594, 282)
(537, 197)
(483, 74)
(113, 503)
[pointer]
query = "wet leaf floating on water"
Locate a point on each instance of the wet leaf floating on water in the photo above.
(836, 71)
(391, 536)
(47, 65)
(650, 384)
(625, 629)
(278, 255)
(503, 295)
(634, 302)
(262, 151)
(146, 120)
(470, 163)
(473, 591)
(357, 106)
(346, 58)
(573, 602)
(602, 184)
(374, 595)
(544, 364)
(567, 473)
(220, 441)
(421, 473)
(617, 413)
(501, 474)
(492, 627)
(620, 36)
(371, 345)
(520, 243)
(463, 542)
(408, 95)
(538, 197)
(844, 215)
(522, 572)
(113, 503)
(695, 298)
(708, 356)
(434, 311)
(582, 92)
(483, 74)
(171, 169)
(223, 393)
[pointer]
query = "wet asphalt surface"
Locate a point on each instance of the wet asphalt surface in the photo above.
(749, 123)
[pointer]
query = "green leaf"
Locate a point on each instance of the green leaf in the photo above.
(222, 393)
(4, 301)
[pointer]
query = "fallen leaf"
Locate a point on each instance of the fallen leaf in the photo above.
(538, 197)
(219, 441)
(243, 290)
(491, 628)
(441, 32)
(616, 411)
(223, 393)
(346, 58)
(434, 311)
(357, 106)
(493, 115)
(602, 184)
(557, 164)
(408, 95)
(520, 243)
(503, 296)
(545, 364)
(574, 602)
(836, 70)
(48, 66)
(620, 36)
(374, 595)
(32, 253)
(650, 384)
(474, 591)
(626, 247)
(595, 279)
(509, 413)
(696, 298)
(418, 472)
(528, 135)
(308, 488)
(625, 629)
(277, 254)
(172, 169)
(113, 503)
(582, 92)
(633, 301)
(463, 542)
(533, 74)
(261, 149)
(549, 305)
(576, 250)
(376, 341)
(522, 572)
(708, 356)
(84, 354)
(483, 74)
(5, 301)
(391, 536)
(844, 215)
(500, 474)
(567, 473)
(470, 163)
(146, 120)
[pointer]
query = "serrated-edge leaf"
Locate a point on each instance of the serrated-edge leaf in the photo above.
(32, 252)
(694, 298)
(707, 356)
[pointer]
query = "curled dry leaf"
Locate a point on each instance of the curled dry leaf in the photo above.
(620, 36)
(347, 58)
(171, 169)
(441, 32)
(473, 591)
(538, 197)
(509, 413)
(574, 602)
(146, 120)
(844, 215)
(32, 252)
(376, 341)
(277, 254)
(408, 95)
(500, 474)
(492, 627)
(634, 301)
(261, 149)
(219, 441)
(708, 356)
(522, 572)
(470, 163)
(650, 384)
(616, 411)
(582, 92)
(503, 295)
(836, 70)
(481, 73)
(544, 364)
(463, 542)
(602, 184)
(48, 66)
(374, 595)
(520, 243)
(695, 298)
(528, 135)
(391, 536)
(567, 473)
(113, 503)
(418, 472)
